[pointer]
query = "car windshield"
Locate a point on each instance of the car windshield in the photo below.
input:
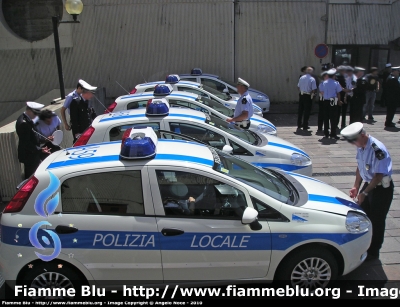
(220, 95)
(228, 82)
(263, 180)
(219, 107)
(245, 135)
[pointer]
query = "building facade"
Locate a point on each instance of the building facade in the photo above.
(128, 42)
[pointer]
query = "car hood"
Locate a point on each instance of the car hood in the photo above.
(275, 141)
(323, 197)
(255, 93)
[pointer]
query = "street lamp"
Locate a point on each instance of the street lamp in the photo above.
(74, 8)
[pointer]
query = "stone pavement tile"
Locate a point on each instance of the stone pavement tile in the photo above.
(390, 244)
(390, 257)
(370, 270)
(392, 223)
(394, 213)
(392, 271)
(393, 232)
(387, 233)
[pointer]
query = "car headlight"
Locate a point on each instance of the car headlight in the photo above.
(261, 97)
(265, 129)
(299, 160)
(357, 222)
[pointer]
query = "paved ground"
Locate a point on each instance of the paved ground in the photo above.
(334, 162)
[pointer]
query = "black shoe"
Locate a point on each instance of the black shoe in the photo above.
(390, 125)
(306, 128)
(370, 118)
(335, 137)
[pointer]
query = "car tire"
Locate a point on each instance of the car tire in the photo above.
(53, 274)
(310, 268)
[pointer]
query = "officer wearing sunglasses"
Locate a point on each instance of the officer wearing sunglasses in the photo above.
(374, 170)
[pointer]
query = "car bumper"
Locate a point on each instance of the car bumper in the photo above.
(264, 105)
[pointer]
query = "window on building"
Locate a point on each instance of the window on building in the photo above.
(345, 55)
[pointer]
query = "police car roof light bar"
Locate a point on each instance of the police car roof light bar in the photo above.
(157, 107)
(162, 90)
(196, 72)
(140, 144)
(172, 79)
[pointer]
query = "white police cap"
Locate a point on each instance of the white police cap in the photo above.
(87, 86)
(331, 71)
(396, 68)
(35, 106)
(388, 65)
(242, 82)
(359, 68)
(324, 73)
(352, 131)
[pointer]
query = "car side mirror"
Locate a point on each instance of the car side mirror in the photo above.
(249, 217)
(228, 149)
(226, 91)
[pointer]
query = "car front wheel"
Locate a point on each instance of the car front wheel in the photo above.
(310, 268)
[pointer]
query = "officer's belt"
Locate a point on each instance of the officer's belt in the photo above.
(304, 93)
(245, 124)
(380, 183)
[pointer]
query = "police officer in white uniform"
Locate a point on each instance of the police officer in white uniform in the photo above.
(76, 94)
(307, 87)
(331, 95)
(374, 167)
(244, 107)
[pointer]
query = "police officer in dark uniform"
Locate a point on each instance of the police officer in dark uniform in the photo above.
(29, 150)
(384, 75)
(80, 111)
(359, 96)
(341, 108)
(374, 168)
(392, 89)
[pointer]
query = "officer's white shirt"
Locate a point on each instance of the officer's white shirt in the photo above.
(307, 83)
(248, 106)
(350, 86)
(369, 165)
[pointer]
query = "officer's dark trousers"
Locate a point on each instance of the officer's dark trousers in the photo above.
(305, 104)
(31, 166)
(321, 114)
(344, 113)
(330, 117)
(356, 110)
(376, 205)
(391, 107)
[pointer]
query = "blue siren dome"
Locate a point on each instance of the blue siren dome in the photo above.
(162, 90)
(139, 143)
(157, 107)
(196, 72)
(172, 79)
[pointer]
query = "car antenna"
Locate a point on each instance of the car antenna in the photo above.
(41, 135)
(122, 87)
(101, 103)
(143, 77)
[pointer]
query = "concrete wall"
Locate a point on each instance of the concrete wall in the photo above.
(130, 41)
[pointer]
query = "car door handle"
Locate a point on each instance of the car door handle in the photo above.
(172, 232)
(62, 229)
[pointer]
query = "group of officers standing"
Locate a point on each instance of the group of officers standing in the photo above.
(36, 126)
(346, 88)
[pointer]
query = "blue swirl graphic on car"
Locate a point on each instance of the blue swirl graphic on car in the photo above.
(45, 205)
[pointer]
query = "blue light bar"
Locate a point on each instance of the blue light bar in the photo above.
(162, 90)
(157, 107)
(140, 144)
(196, 72)
(172, 79)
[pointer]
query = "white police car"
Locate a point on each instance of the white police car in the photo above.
(194, 88)
(260, 149)
(148, 210)
(216, 82)
(189, 100)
